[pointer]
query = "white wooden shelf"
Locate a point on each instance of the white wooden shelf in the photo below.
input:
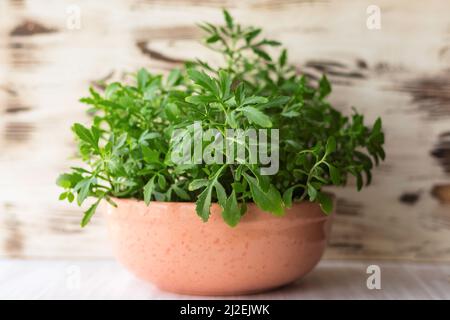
(105, 279)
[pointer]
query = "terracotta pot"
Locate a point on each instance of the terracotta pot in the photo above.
(167, 244)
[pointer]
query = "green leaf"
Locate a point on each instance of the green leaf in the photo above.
(326, 202)
(261, 53)
(221, 194)
(283, 57)
(85, 135)
(225, 81)
(148, 190)
(111, 89)
(200, 99)
(256, 116)
(173, 77)
(331, 145)
(203, 203)
(150, 156)
(70, 197)
(172, 111)
(376, 129)
(359, 181)
(312, 192)
(268, 201)
(162, 183)
(228, 19)
(334, 174)
(324, 87)
(252, 35)
(287, 197)
(290, 114)
(272, 43)
(231, 119)
(89, 213)
(83, 188)
(67, 180)
(197, 184)
(213, 38)
(275, 102)
(181, 193)
(254, 100)
(231, 213)
(142, 78)
(203, 80)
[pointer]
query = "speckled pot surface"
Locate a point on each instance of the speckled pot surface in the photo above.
(167, 244)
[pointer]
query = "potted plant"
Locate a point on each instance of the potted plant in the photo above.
(212, 177)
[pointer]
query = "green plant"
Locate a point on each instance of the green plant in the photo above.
(127, 147)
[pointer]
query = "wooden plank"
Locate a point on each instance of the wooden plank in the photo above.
(400, 72)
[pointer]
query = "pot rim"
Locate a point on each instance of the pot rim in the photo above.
(299, 211)
(296, 203)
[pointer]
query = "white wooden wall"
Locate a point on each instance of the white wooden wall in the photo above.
(401, 72)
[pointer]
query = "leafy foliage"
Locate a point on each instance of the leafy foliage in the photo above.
(127, 148)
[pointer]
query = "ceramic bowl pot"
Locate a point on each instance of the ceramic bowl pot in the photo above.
(167, 244)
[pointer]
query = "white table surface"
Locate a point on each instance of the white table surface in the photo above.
(105, 279)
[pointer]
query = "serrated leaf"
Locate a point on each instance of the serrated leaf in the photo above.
(89, 213)
(203, 203)
(148, 190)
(85, 135)
(268, 201)
(256, 116)
(203, 80)
(181, 193)
(197, 184)
(83, 188)
(231, 213)
(150, 156)
(221, 194)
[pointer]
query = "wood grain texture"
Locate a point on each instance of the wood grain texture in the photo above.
(401, 72)
(343, 280)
